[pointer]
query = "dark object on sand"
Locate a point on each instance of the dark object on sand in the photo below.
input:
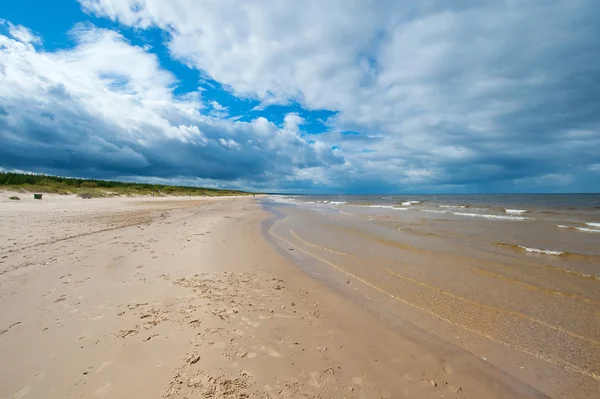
(14, 198)
(37, 196)
(86, 196)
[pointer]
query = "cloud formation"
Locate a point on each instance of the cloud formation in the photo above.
(426, 96)
(106, 108)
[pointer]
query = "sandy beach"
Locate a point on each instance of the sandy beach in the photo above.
(185, 298)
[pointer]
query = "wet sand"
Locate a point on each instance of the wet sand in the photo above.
(180, 298)
(535, 317)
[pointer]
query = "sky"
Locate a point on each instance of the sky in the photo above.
(313, 96)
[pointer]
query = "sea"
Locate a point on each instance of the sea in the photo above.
(576, 212)
(511, 278)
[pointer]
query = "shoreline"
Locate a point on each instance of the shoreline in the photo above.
(380, 283)
(189, 298)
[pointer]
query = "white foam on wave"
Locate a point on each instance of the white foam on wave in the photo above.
(433, 211)
(585, 229)
(515, 211)
(588, 230)
(593, 224)
(452, 206)
(483, 215)
(541, 251)
(282, 198)
(386, 207)
(337, 202)
(407, 203)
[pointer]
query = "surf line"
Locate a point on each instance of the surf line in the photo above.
(470, 302)
(558, 362)
(316, 246)
(483, 271)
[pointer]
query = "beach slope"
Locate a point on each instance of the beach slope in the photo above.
(179, 298)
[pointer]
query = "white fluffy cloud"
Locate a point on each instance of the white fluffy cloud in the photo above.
(22, 34)
(465, 92)
(107, 108)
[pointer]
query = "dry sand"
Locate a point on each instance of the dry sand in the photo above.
(180, 298)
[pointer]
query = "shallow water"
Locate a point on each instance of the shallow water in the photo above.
(499, 267)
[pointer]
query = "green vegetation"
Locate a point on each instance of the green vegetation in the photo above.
(14, 198)
(99, 188)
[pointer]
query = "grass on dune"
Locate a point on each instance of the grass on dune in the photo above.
(28, 183)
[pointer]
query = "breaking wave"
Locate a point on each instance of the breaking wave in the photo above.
(483, 215)
(585, 229)
(541, 251)
(385, 206)
(531, 250)
(282, 199)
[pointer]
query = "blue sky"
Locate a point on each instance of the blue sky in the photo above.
(340, 96)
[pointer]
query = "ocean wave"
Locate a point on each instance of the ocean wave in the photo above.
(452, 206)
(282, 198)
(593, 224)
(337, 202)
(409, 203)
(385, 206)
(433, 211)
(515, 211)
(483, 215)
(585, 229)
(532, 250)
(588, 230)
(541, 251)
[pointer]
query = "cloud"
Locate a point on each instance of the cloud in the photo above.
(21, 33)
(218, 110)
(292, 122)
(424, 96)
(474, 91)
(230, 144)
(78, 112)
